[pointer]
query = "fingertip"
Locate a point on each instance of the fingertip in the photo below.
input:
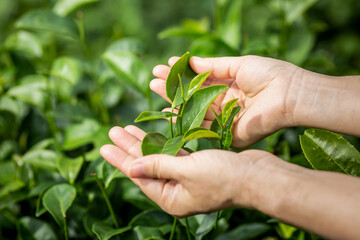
(114, 131)
(105, 149)
(173, 60)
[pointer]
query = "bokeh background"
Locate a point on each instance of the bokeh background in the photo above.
(72, 69)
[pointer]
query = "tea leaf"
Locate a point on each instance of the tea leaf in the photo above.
(65, 7)
(46, 20)
(195, 109)
(329, 151)
(153, 143)
(153, 115)
(199, 132)
(69, 168)
(143, 232)
(25, 42)
(196, 83)
(206, 225)
(227, 135)
(228, 109)
(68, 69)
(109, 173)
(246, 232)
(57, 200)
(31, 90)
(173, 145)
(79, 134)
(37, 229)
(129, 69)
(42, 158)
(151, 218)
(172, 81)
(105, 232)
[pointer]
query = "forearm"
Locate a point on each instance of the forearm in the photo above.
(325, 203)
(326, 102)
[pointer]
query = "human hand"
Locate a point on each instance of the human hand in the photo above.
(261, 84)
(200, 182)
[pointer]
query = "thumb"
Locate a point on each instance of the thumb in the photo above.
(157, 166)
(221, 67)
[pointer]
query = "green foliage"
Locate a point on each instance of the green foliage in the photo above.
(330, 151)
(67, 76)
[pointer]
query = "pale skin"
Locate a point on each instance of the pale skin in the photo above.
(273, 95)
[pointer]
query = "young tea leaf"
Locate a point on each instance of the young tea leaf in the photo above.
(329, 151)
(172, 81)
(195, 109)
(228, 109)
(196, 83)
(57, 200)
(153, 115)
(199, 132)
(65, 7)
(227, 135)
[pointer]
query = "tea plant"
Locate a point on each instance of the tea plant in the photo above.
(184, 91)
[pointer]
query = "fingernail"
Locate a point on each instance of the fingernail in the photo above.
(137, 170)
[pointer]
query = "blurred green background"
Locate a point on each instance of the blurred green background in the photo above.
(72, 69)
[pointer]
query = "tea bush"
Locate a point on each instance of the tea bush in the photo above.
(72, 69)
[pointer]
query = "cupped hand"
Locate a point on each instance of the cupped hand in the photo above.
(264, 87)
(200, 182)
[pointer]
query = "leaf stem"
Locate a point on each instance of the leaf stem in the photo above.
(66, 232)
(107, 201)
(215, 224)
(187, 229)
(173, 229)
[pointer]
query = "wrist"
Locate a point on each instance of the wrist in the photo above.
(326, 102)
(268, 182)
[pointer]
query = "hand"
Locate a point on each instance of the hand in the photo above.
(201, 182)
(261, 84)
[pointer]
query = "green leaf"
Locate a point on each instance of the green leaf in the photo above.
(230, 28)
(25, 42)
(31, 89)
(42, 158)
(245, 232)
(206, 225)
(294, 9)
(128, 44)
(156, 143)
(65, 7)
(172, 82)
(7, 172)
(57, 200)
(148, 233)
(195, 109)
(173, 145)
(39, 230)
(79, 134)
(46, 20)
(153, 115)
(329, 151)
(151, 218)
(12, 186)
(199, 132)
(227, 135)
(109, 173)
(68, 69)
(105, 232)
(196, 83)
(133, 195)
(153, 143)
(189, 28)
(69, 168)
(228, 109)
(129, 69)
